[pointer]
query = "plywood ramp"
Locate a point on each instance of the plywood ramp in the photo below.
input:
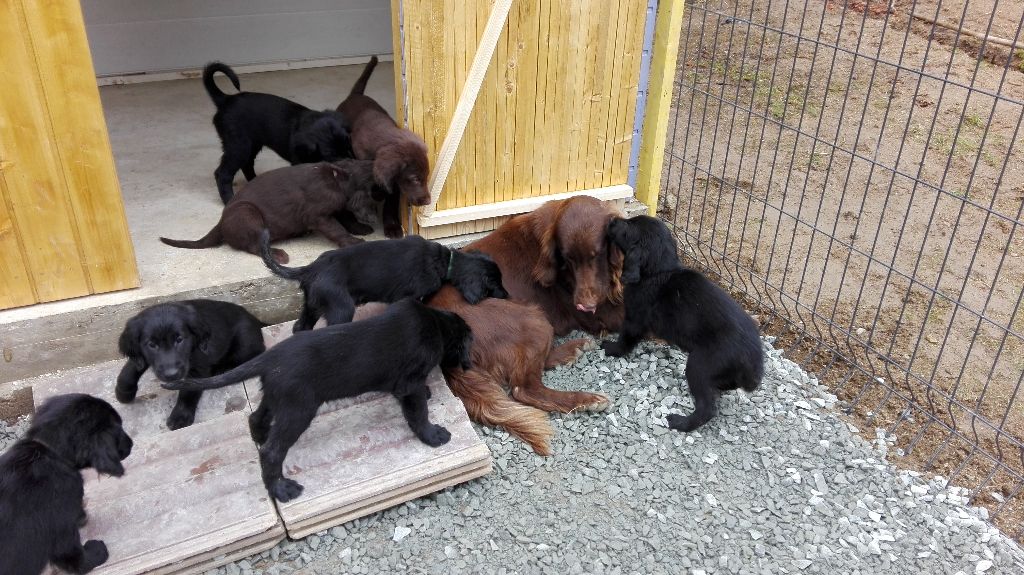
(193, 498)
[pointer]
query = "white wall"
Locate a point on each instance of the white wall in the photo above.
(132, 36)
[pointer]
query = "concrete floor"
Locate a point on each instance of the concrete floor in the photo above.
(166, 150)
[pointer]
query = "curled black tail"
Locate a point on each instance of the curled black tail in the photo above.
(278, 269)
(215, 93)
(249, 369)
(360, 86)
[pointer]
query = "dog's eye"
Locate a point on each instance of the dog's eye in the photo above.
(151, 344)
(178, 340)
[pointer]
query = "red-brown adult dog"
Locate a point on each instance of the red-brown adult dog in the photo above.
(400, 164)
(512, 346)
(558, 257)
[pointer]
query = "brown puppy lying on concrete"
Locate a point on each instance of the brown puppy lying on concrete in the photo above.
(290, 202)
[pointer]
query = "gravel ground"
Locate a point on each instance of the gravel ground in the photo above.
(778, 483)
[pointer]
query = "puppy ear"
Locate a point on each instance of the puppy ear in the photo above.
(304, 147)
(387, 164)
(128, 344)
(198, 326)
(465, 349)
(341, 139)
(617, 270)
(546, 267)
(103, 456)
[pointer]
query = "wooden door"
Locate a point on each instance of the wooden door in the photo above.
(63, 231)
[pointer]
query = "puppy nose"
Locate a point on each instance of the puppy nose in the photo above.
(172, 373)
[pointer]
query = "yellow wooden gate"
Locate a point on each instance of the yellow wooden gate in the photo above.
(63, 231)
(555, 114)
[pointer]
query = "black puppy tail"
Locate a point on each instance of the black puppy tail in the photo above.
(360, 86)
(247, 370)
(278, 269)
(215, 93)
(212, 239)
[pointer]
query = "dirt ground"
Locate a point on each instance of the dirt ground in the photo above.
(857, 175)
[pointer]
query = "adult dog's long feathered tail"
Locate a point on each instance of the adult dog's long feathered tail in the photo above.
(278, 269)
(249, 369)
(215, 93)
(360, 86)
(487, 403)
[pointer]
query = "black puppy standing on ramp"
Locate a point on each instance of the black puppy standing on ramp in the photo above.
(192, 338)
(393, 353)
(384, 271)
(683, 307)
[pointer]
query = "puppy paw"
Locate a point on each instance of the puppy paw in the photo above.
(179, 419)
(126, 394)
(435, 436)
(599, 402)
(95, 553)
(358, 228)
(685, 423)
(612, 348)
(393, 231)
(284, 489)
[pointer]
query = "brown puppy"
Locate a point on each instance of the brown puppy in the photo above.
(512, 346)
(400, 165)
(558, 257)
(290, 202)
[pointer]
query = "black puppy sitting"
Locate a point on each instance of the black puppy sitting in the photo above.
(195, 338)
(41, 486)
(683, 307)
(384, 271)
(248, 121)
(392, 352)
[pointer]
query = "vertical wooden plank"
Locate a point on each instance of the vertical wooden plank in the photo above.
(659, 98)
(627, 90)
(574, 38)
(504, 103)
(541, 168)
(526, 90)
(487, 135)
(83, 146)
(35, 187)
(614, 92)
(398, 49)
(557, 100)
(15, 282)
(595, 29)
(594, 171)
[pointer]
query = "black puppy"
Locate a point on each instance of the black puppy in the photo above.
(384, 271)
(248, 121)
(393, 352)
(41, 486)
(195, 338)
(684, 308)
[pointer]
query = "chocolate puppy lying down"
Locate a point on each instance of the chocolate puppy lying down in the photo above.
(290, 202)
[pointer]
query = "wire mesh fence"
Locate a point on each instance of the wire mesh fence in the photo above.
(853, 172)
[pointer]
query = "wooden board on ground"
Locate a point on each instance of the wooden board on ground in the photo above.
(146, 416)
(191, 500)
(359, 456)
